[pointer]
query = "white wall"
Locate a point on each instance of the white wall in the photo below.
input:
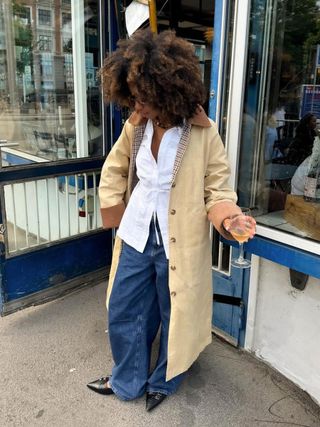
(286, 330)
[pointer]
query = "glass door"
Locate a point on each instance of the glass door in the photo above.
(52, 131)
(230, 285)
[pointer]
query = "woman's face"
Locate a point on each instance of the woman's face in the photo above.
(142, 107)
(313, 122)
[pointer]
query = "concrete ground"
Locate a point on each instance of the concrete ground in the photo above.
(48, 353)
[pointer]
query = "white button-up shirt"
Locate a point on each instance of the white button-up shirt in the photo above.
(151, 194)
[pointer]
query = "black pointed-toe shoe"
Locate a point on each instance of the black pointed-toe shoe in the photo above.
(100, 386)
(154, 399)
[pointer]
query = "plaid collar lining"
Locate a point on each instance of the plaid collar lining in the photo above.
(137, 139)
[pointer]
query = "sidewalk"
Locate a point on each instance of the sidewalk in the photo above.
(48, 353)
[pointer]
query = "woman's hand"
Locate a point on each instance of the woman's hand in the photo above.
(244, 223)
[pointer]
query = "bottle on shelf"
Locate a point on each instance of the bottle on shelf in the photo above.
(310, 187)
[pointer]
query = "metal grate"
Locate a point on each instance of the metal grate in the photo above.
(47, 210)
(221, 254)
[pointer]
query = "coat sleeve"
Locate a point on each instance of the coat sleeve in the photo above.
(220, 199)
(114, 179)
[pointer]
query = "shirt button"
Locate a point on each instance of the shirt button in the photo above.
(173, 211)
(173, 240)
(173, 267)
(173, 294)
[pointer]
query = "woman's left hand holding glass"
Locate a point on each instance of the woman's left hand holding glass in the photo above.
(242, 222)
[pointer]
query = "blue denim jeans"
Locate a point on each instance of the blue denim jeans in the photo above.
(139, 304)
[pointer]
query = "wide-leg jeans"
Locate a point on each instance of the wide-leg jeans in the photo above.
(139, 304)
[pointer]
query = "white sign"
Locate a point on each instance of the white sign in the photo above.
(136, 14)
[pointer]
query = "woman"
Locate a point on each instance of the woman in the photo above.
(164, 181)
(299, 178)
(301, 146)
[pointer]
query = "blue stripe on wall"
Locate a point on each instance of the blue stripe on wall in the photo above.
(283, 254)
(40, 269)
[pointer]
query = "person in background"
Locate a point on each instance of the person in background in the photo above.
(301, 146)
(271, 151)
(280, 122)
(299, 178)
(163, 183)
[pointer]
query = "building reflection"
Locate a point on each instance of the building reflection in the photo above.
(37, 105)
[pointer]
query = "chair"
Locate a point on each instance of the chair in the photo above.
(44, 141)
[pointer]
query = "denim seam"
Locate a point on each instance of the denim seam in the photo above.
(138, 342)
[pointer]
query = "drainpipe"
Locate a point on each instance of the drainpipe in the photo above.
(153, 16)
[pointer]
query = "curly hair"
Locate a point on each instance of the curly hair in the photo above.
(162, 68)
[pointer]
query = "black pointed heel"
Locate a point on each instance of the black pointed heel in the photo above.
(154, 399)
(100, 386)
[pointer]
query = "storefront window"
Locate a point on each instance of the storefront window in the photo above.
(279, 168)
(37, 75)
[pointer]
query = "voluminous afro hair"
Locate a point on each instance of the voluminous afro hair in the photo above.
(163, 70)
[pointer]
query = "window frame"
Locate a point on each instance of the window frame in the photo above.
(39, 24)
(44, 38)
(30, 14)
(64, 12)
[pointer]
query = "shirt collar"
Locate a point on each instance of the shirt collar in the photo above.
(149, 128)
(199, 119)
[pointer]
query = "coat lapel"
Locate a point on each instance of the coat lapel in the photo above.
(137, 139)
(199, 119)
(182, 146)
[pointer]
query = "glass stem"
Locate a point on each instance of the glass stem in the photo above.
(241, 253)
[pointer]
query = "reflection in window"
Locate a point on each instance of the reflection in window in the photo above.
(24, 14)
(45, 43)
(46, 210)
(37, 111)
(44, 17)
(66, 20)
(281, 117)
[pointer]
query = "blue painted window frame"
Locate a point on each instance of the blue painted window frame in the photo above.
(218, 12)
(283, 254)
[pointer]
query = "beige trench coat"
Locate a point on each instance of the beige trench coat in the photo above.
(199, 187)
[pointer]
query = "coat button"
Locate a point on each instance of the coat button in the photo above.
(173, 211)
(173, 185)
(173, 267)
(173, 294)
(173, 240)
